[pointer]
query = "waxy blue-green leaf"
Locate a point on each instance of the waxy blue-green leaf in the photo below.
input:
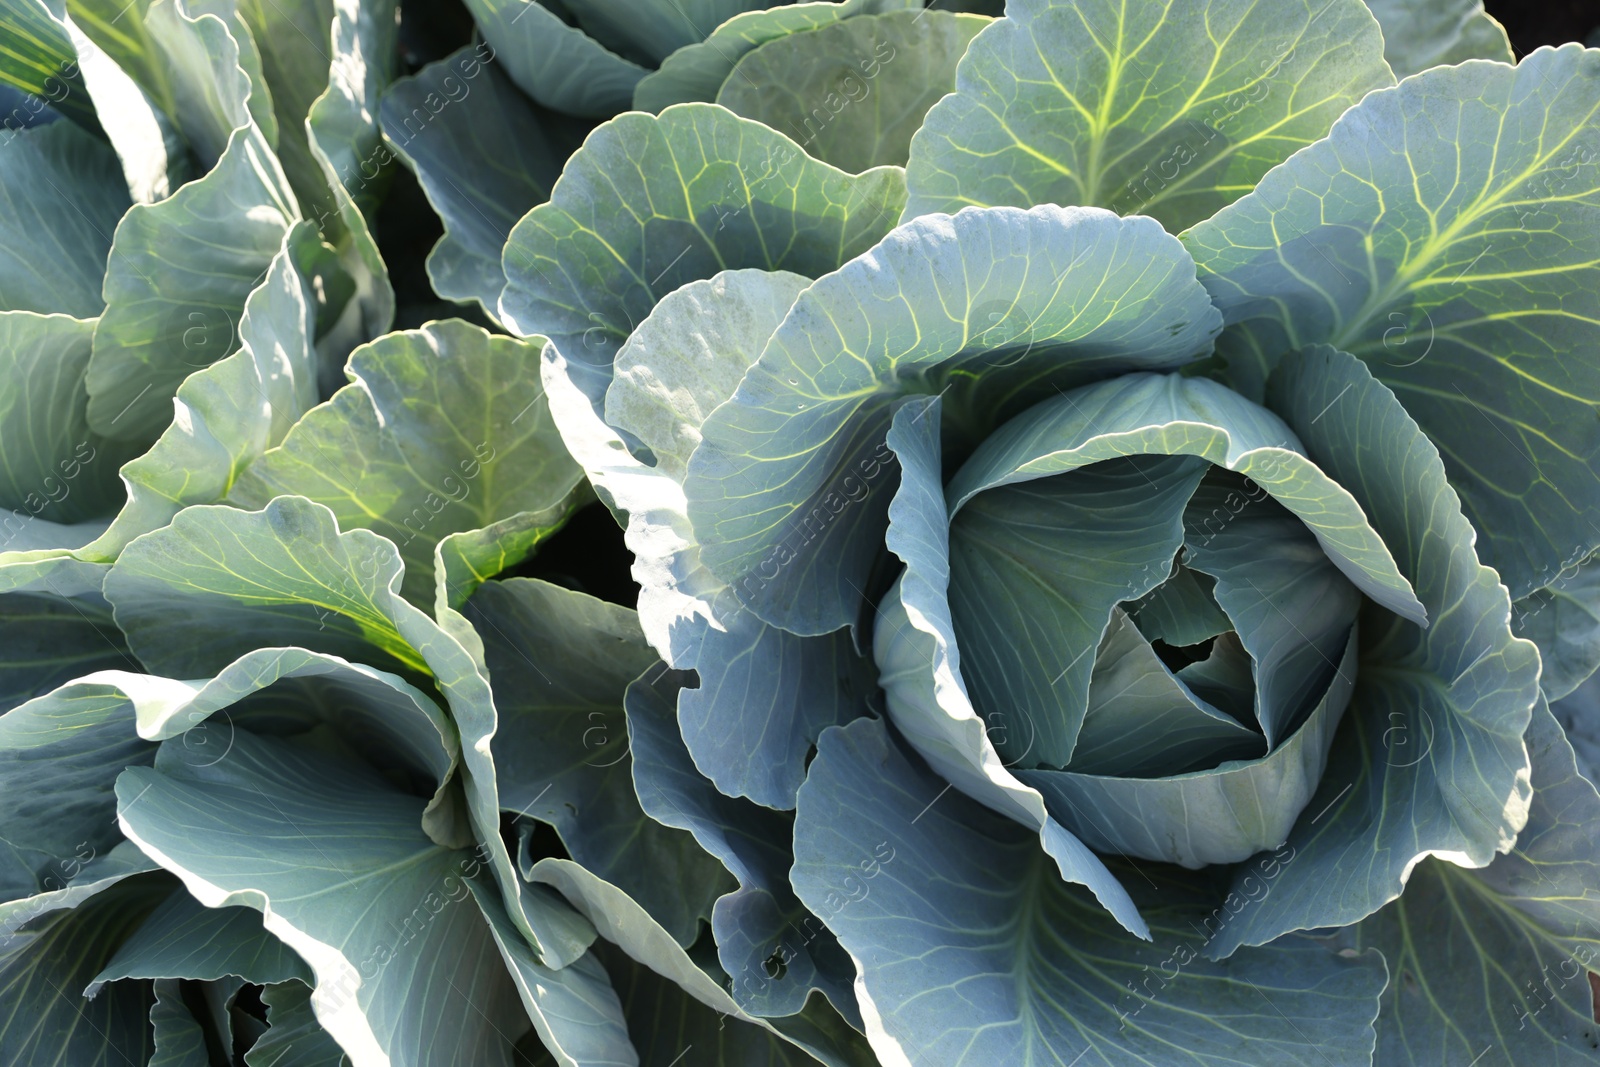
(557, 65)
(343, 137)
(53, 467)
(61, 196)
(919, 665)
(294, 1038)
(1563, 619)
(690, 354)
(1461, 269)
(1224, 813)
(94, 873)
(1174, 415)
(68, 746)
(691, 1000)
(1036, 570)
(463, 561)
(1288, 602)
(1429, 760)
(384, 922)
(1494, 964)
(180, 270)
(669, 1026)
(1418, 34)
(394, 723)
(762, 921)
(1579, 715)
(442, 429)
(764, 693)
(228, 414)
(651, 203)
(1167, 110)
(294, 40)
(47, 639)
(183, 938)
(1003, 307)
(1143, 721)
(697, 71)
(973, 951)
(180, 1040)
(853, 93)
(560, 662)
(652, 30)
(575, 1010)
(219, 582)
(482, 156)
(42, 969)
(1182, 610)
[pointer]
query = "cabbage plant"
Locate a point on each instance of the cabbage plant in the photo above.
(1195, 466)
(1111, 490)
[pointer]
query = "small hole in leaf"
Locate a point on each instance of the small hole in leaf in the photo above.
(775, 965)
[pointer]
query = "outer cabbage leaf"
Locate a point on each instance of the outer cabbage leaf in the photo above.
(690, 1000)
(40, 59)
(385, 923)
(697, 71)
(681, 362)
(183, 938)
(651, 203)
(483, 165)
(575, 1009)
(63, 196)
(1418, 34)
(558, 65)
(293, 39)
(228, 414)
(971, 950)
(294, 1038)
(180, 1040)
(43, 966)
(56, 469)
(68, 746)
(47, 639)
(441, 430)
(773, 950)
(1579, 716)
(1430, 759)
(175, 55)
(1158, 109)
(215, 237)
(342, 134)
(560, 662)
(154, 156)
(1494, 964)
(1563, 619)
(823, 88)
(653, 30)
(218, 582)
(1444, 232)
